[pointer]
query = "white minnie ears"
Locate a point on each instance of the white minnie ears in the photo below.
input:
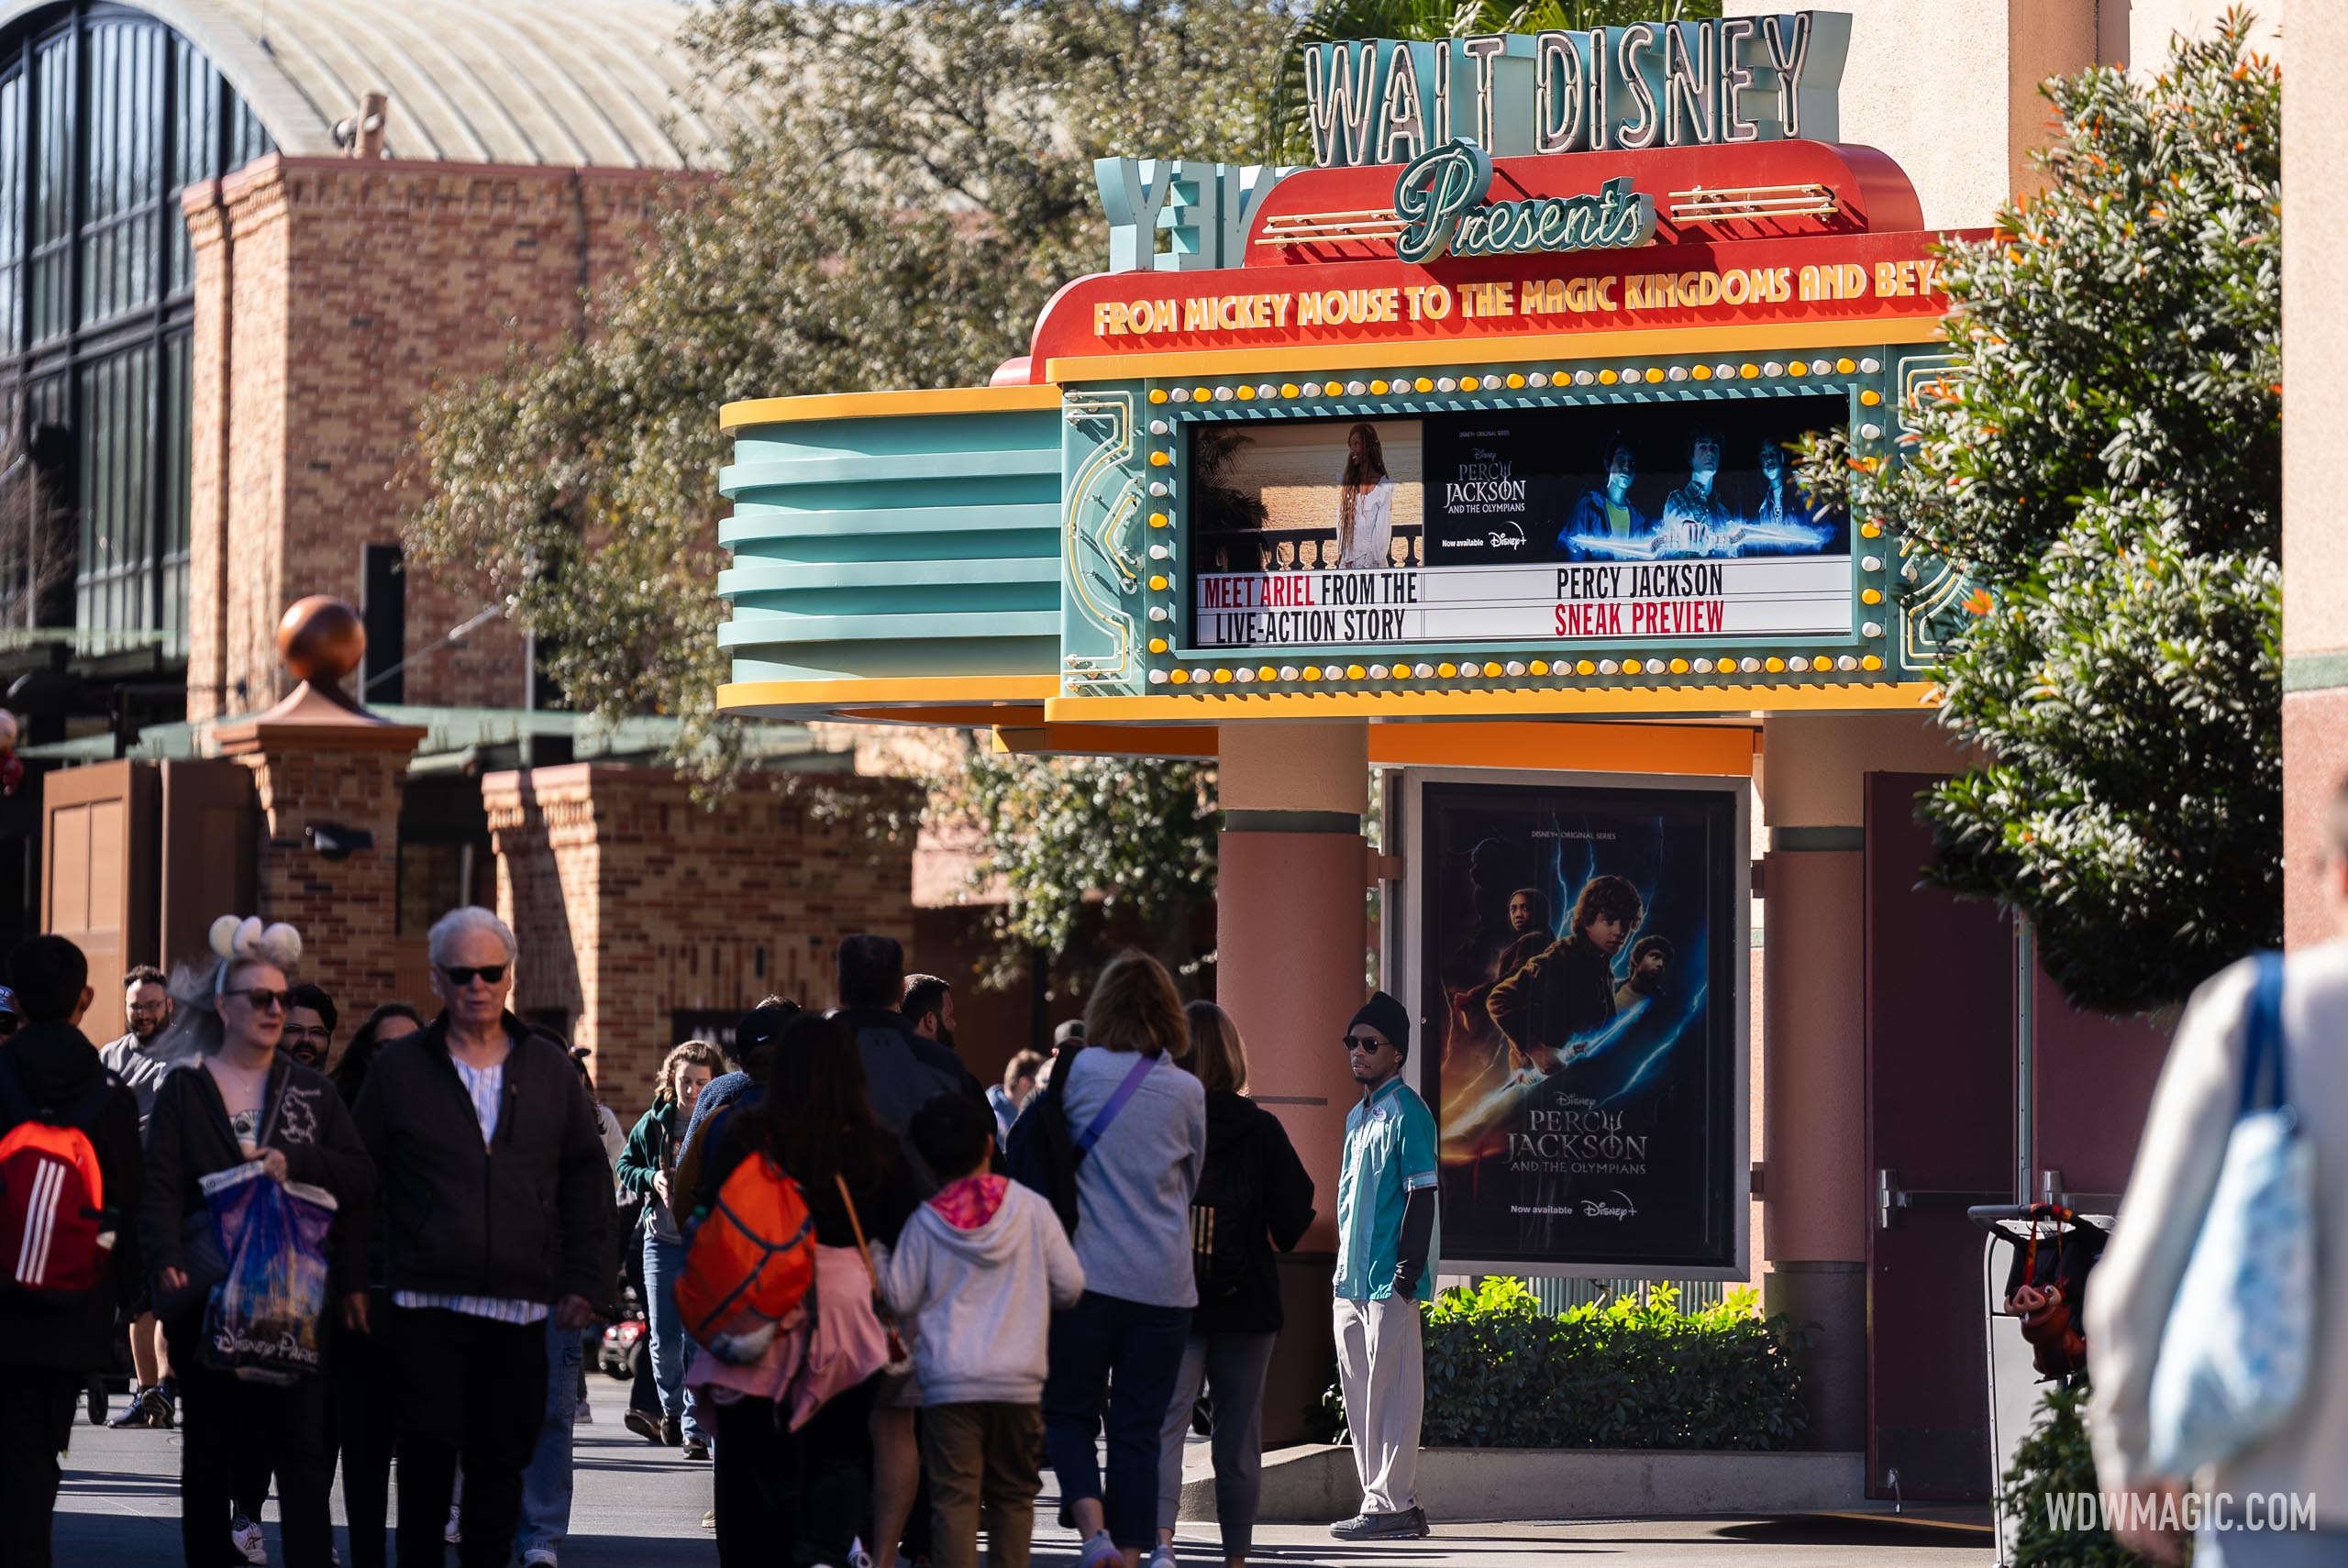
(246, 938)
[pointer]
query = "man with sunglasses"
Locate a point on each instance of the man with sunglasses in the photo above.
(1386, 1253)
(147, 1008)
(497, 1203)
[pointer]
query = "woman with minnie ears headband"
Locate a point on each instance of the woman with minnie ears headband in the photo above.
(243, 1100)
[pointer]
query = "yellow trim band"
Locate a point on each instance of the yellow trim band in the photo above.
(1725, 751)
(885, 405)
(1223, 704)
(1496, 350)
(919, 691)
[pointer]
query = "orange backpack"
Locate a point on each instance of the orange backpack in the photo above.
(750, 1261)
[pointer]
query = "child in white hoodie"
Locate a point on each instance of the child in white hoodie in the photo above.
(975, 1277)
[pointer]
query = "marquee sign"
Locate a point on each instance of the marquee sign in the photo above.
(1499, 402)
(1720, 81)
(1555, 528)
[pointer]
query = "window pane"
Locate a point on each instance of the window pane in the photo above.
(174, 437)
(124, 173)
(52, 183)
(117, 575)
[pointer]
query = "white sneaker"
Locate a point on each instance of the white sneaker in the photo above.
(244, 1534)
(537, 1557)
(1163, 1557)
(450, 1533)
(1098, 1551)
(584, 1415)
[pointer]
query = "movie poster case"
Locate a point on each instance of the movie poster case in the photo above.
(1613, 1147)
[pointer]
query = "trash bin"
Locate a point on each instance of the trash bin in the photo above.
(2052, 1249)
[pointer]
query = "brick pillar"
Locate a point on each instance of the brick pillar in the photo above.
(327, 773)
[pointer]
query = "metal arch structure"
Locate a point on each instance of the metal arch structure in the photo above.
(598, 84)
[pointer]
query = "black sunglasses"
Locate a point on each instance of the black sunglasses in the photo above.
(463, 973)
(263, 999)
(1366, 1047)
(8, 1024)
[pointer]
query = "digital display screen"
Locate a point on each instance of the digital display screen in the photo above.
(1576, 525)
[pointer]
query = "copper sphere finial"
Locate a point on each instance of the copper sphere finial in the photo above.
(321, 639)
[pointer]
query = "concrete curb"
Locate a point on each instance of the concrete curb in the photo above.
(1315, 1482)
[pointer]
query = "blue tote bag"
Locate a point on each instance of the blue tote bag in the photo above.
(2235, 1355)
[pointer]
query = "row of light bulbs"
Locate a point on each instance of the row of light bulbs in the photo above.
(1402, 383)
(1250, 675)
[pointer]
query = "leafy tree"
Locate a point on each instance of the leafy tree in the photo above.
(919, 186)
(2104, 458)
(1286, 136)
(1060, 832)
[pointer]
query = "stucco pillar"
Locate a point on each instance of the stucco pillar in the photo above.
(2315, 539)
(1292, 930)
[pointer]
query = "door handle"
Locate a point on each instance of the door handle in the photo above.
(1891, 1198)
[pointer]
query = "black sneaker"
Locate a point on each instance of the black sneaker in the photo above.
(696, 1448)
(672, 1431)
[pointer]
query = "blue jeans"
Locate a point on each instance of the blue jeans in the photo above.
(664, 1264)
(1117, 1359)
(546, 1484)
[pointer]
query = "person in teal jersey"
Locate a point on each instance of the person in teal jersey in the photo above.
(1386, 1253)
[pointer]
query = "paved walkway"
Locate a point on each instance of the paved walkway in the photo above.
(640, 1507)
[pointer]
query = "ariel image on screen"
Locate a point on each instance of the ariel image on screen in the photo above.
(1306, 497)
(1579, 979)
(1628, 482)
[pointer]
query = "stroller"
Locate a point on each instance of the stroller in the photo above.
(2036, 1312)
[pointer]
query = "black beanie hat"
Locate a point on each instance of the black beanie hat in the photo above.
(1388, 1017)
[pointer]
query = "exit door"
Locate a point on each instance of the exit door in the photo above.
(1939, 1093)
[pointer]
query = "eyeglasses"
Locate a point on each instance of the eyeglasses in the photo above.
(1366, 1047)
(318, 1032)
(263, 999)
(463, 973)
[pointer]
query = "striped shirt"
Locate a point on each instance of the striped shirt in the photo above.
(486, 1086)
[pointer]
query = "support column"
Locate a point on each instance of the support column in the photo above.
(1292, 933)
(2314, 540)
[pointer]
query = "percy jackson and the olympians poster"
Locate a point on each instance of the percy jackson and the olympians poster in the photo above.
(1582, 951)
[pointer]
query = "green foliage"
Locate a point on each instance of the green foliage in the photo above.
(2105, 458)
(1073, 841)
(1286, 137)
(2055, 1460)
(1617, 1373)
(920, 185)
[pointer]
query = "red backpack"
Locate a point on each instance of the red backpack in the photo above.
(52, 1195)
(750, 1261)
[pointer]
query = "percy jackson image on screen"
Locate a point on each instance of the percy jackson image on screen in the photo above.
(1577, 957)
(1603, 483)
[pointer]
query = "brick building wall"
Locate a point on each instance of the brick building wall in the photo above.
(346, 909)
(632, 903)
(332, 294)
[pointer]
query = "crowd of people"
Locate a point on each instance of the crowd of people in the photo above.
(997, 1277)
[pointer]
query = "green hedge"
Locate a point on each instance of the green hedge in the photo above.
(1609, 1374)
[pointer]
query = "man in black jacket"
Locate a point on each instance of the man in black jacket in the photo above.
(496, 1201)
(49, 1347)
